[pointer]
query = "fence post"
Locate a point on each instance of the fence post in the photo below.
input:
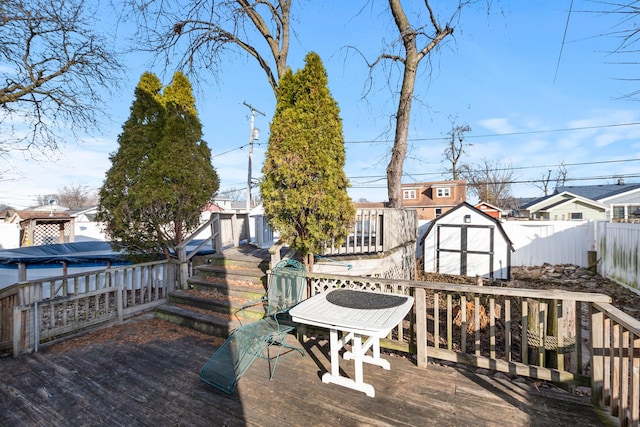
(184, 266)
(421, 327)
(17, 331)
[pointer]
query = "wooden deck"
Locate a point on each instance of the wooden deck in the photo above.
(145, 373)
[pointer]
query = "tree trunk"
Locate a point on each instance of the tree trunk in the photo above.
(399, 151)
(412, 59)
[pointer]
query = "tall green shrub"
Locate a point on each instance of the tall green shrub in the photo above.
(304, 188)
(161, 175)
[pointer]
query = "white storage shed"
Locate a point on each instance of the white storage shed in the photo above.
(466, 241)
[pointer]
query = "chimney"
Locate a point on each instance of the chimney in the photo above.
(620, 181)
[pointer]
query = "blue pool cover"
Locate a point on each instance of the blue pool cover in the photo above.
(79, 252)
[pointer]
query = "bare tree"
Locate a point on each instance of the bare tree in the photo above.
(417, 41)
(201, 33)
(54, 66)
(559, 179)
(490, 182)
(234, 193)
(77, 196)
(456, 147)
(544, 182)
(46, 199)
(627, 33)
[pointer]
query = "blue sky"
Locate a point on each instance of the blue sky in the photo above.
(528, 106)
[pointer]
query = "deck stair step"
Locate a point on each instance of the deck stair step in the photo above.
(209, 324)
(239, 275)
(219, 286)
(217, 303)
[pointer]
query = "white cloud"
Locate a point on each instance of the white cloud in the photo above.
(497, 125)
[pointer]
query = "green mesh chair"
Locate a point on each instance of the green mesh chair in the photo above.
(287, 286)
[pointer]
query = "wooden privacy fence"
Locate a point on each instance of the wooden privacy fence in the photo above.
(37, 311)
(533, 333)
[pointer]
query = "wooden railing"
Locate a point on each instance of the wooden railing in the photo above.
(616, 363)
(37, 311)
(222, 229)
(526, 332)
(378, 230)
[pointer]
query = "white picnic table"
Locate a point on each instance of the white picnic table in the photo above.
(356, 314)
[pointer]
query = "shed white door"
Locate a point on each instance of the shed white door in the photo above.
(465, 249)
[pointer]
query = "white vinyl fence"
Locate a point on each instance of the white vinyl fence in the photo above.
(552, 242)
(616, 246)
(618, 252)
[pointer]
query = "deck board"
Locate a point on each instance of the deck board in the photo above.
(155, 383)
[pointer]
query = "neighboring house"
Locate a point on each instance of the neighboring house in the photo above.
(465, 241)
(622, 200)
(432, 199)
(489, 209)
(85, 226)
(563, 206)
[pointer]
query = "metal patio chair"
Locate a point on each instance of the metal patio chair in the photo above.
(287, 287)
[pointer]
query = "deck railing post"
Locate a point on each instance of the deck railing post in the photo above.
(184, 266)
(119, 303)
(17, 331)
(421, 327)
(597, 355)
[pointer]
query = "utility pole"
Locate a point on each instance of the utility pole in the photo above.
(253, 135)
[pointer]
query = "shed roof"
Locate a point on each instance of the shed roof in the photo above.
(466, 205)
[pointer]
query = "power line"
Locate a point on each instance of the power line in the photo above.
(494, 135)
(508, 168)
(533, 181)
(564, 38)
(444, 138)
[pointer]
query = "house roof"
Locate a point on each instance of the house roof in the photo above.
(534, 202)
(489, 205)
(449, 183)
(599, 192)
(563, 197)
(25, 215)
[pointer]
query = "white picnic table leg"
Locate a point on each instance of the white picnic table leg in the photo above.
(335, 377)
(335, 355)
(372, 343)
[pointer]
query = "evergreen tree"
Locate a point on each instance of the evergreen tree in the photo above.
(161, 175)
(304, 189)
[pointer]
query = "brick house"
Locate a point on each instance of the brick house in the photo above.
(432, 199)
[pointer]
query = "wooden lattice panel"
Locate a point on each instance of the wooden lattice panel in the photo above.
(47, 233)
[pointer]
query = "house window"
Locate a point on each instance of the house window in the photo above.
(443, 192)
(618, 212)
(409, 194)
(576, 215)
(438, 212)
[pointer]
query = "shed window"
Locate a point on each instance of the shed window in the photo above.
(576, 215)
(443, 192)
(409, 194)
